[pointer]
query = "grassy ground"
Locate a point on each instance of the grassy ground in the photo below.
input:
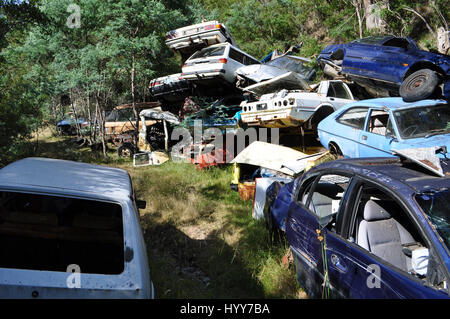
(201, 238)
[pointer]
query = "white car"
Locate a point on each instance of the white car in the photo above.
(217, 62)
(70, 230)
(188, 39)
(293, 108)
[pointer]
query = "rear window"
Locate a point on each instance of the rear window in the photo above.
(209, 51)
(40, 232)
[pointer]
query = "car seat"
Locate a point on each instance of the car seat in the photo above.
(383, 236)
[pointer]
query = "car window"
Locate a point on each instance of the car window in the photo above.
(236, 56)
(378, 123)
(423, 121)
(337, 89)
(354, 117)
(397, 42)
(49, 233)
(208, 52)
(326, 198)
(382, 227)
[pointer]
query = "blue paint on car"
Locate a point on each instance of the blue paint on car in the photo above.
(357, 229)
(384, 62)
(372, 128)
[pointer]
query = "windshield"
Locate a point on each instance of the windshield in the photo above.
(210, 51)
(289, 64)
(423, 121)
(436, 205)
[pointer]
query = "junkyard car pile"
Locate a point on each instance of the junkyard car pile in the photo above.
(366, 213)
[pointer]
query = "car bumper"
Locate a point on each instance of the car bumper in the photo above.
(289, 117)
(204, 75)
(208, 38)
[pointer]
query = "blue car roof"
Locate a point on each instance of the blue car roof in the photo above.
(392, 168)
(393, 103)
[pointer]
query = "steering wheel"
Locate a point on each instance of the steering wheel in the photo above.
(412, 128)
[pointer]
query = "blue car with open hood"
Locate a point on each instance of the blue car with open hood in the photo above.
(377, 127)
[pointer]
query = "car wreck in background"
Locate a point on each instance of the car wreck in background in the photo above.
(171, 88)
(70, 230)
(388, 65)
(376, 127)
(255, 73)
(292, 108)
(120, 126)
(192, 38)
(68, 125)
(347, 220)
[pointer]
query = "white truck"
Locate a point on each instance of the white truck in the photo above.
(292, 108)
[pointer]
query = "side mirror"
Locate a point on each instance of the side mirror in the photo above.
(141, 204)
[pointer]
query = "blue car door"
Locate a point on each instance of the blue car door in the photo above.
(371, 274)
(311, 232)
(393, 60)
(376, 138)
(301, 231)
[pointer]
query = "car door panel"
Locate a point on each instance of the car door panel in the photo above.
(374, 145)
(376, 279)
(305, 247)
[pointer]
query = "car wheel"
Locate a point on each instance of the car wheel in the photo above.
(125, 150)
(336, 151)
(419, 85)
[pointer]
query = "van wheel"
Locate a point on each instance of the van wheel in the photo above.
(419, 85)
(125, 150)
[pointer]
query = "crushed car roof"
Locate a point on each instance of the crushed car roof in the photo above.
(63, 175)
(392, 168)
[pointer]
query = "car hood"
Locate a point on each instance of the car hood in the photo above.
(259, 72)
(437, 140)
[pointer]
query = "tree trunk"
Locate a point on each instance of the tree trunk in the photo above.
(133, 97)
(72, 106)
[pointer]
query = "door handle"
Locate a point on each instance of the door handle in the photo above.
(364, 137)
(332, 98)
(336, 261)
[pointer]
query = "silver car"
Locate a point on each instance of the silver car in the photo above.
(70, 230)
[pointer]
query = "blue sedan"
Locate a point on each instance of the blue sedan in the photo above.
(394, 65)
(372, 128)
(370, 228)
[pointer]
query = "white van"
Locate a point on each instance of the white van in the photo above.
(218, 61)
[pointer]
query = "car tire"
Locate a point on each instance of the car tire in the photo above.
(336, 151)
(125, 150)
(419, 85)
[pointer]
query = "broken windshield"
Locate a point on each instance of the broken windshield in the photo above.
(436, 205)
(423, 121)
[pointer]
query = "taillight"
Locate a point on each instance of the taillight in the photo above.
(224, 61)
(209, 27)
